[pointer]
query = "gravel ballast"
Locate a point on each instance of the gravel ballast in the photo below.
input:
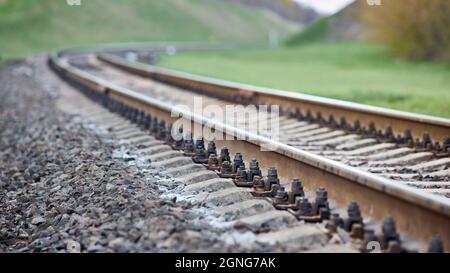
(68, 185)
(62, 190)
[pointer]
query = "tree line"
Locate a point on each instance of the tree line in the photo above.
(414, 29)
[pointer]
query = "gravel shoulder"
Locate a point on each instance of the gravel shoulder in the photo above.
(66, 185)
(63, 190)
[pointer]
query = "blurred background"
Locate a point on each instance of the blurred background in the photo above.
(391, 53)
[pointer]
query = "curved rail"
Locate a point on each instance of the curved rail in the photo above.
(417, 213)
(438, 128)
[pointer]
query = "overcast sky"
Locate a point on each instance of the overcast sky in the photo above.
(325, 6)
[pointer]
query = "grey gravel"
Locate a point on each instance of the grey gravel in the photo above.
(62, 190)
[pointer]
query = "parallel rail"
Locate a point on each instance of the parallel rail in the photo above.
(399, 121)
(417, 213)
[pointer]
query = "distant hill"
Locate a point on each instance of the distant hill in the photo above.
(287, 9)
(28, 26)
(344, 25)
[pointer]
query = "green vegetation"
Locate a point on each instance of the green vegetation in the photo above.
(346, 70)
(30, 26)
(416, 30)
(316, 32)
(350, 71)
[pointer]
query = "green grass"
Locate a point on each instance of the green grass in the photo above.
(316, 32)
(30, 26)
(349, 71)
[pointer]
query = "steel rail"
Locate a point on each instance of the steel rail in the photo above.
(437, 127)
(419, 214)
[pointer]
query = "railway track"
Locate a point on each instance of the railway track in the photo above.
(309, 142)
(399, 158)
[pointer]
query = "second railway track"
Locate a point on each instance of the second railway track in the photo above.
(309, 146)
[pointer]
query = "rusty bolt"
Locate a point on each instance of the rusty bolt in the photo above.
(372, 129)
(304, 207)
(364, 131)
(343, 123)
(226, 169)
(334, 223)
(389, 233)
(446, 144)
(297, 187)
(272, 178)
(407, 135)
(224, 155)
(321, 206)
(436, 245)
(134, 115)
(322, 197)
(188, 145)
(331, 121)
(148, 122)
(319, 118)
(354, 216)
(427, 142)
(309, 117)
(399, 140)
(337, 220)
(298, 114)
(154, 126)
(213, 162)
(241, 175)
(169, 138)
(130, 113)
(389, 134)
(426, 139)
(380, 135)
(200, 143)
(124, 110)
(356, 126)
(281, 196)
(142, 118)
(437, 148)
(388, 131)
(127, 112)
(139, 117)
(161, 133)
(418, 144)
(254, 170)
(179, 144)
(200, 155)
(237, 162)
(296, 190)
(211, 149)
(119, 108)
(258, 183)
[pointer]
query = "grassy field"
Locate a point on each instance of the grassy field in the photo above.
(29, 26)
(349, 71)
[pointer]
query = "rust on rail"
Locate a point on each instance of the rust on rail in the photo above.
(417, 124)
(417, 213)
